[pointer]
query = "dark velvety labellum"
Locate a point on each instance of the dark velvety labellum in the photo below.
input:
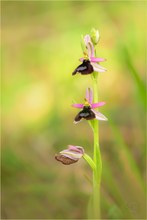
(85, 68)
(64, 160)
(86, 113)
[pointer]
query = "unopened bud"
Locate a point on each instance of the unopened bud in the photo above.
(94, 36)
(70, 155)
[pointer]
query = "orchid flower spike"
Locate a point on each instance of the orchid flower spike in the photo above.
(89, 62)
(70, 155)
(88, 107)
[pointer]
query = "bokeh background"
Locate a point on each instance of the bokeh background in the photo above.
(40, 49)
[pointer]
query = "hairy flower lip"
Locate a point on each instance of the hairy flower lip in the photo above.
(84, 68)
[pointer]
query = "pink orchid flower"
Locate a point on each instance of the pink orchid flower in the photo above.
(88, 107)
(70, 155)
(91, 55)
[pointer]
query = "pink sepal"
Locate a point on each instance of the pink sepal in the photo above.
(77, 105)
(96, 105)
(96, 59)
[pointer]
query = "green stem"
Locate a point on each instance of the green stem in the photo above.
(96, 158)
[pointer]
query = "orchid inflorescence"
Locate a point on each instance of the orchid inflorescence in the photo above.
(90, 65)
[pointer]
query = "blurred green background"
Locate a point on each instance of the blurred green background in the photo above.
(40, 49)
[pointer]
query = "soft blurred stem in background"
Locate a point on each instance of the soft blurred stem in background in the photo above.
(96, 157)
(140, 85)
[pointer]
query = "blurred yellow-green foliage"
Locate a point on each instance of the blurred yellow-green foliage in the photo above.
(40, 49)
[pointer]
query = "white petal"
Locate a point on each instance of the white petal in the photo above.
(98, 68)
(99, 116)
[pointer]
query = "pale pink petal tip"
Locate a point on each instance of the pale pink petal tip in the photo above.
(89, 45)
(77, 149)
(77, 105)
(73, 152)
(96, 105)
(87, 39)
(89, 95)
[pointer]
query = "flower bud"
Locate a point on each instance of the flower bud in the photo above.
(94, 36)
(70, 155)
